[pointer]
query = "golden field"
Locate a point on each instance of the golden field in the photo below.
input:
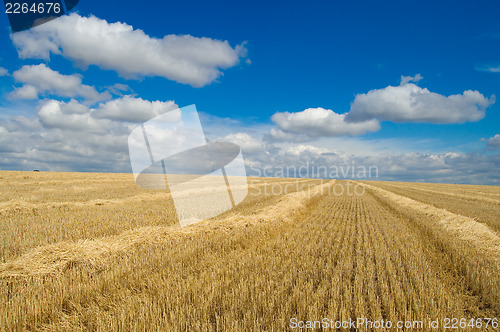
(88, 251)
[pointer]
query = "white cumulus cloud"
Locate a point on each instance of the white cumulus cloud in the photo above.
(411, 103)
(494, 141)
(298, 150)
(246, 142)
(131, 53)
(38, 79)
(69, 116)
(79, 117)
(3, 72)
(66, 136)
(277, 135)
(404, 103)
(316, 122)
(25, 92)
(132, 109)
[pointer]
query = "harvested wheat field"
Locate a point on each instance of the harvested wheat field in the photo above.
(84, 251)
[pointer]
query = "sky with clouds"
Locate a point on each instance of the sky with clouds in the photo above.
(406, 87)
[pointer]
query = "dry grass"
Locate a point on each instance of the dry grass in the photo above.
(57, 257)
(309, 254)
(469, 248)
(45, 208)
(460, 227)
(478, 202)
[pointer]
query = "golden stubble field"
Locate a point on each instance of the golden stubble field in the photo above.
(87, 251)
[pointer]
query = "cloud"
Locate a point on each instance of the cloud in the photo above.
(67, 137)
(3, 72)
(25, 92)
(492, 69)
(277, 135)
(69, 116)
(405, 103)
(317, 162)
(315, 122)
(410, 103)
(131, 53)
(64, 137)
(246, 142)
(408, 79)
(131, 109)
(119, 89)
(79, 117)
(298, 150)
(494, 141)
(54, 149)
(38, 79)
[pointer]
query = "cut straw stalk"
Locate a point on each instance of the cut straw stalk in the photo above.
(59, 256)
(463, 228)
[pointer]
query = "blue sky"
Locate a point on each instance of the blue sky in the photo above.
(292, 56)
